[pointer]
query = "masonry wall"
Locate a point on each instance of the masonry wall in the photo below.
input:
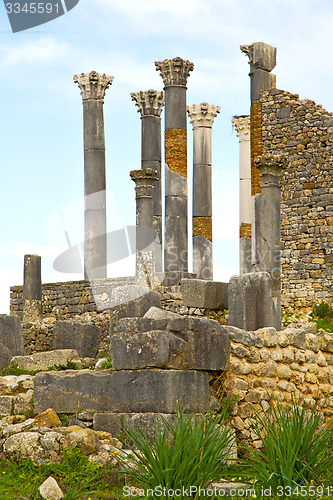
(268, 366)
(302, 130)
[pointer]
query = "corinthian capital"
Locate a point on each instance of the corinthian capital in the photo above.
(261, 55)
(242, 126)
(150, 102)
(93, 85)
(271, 167)
(203, 114)
(174, 72)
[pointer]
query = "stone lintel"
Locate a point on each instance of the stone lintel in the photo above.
(174, 72)
(261, 56)
(93, 85)
(203, 114)
(150, 102)
(242, 126)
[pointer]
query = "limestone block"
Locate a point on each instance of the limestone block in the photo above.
(270, 337)
(5, 355)
(51, 490)
(297, 337)
(312, 342)
(250, 301)
(23, 403)
(121, 391)
(246, 338)
(47, 418)
(158, 313)
(11, 334)
(131, 301)
(184, 349)
(81, 337)
(24, 446)
(114, 423)
(6, 405)
(86, 440)
(205, 294)
(44, 360)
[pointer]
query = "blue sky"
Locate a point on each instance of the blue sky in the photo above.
(41, 153)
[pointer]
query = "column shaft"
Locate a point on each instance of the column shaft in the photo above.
(268, 226)
(144, 184)
(150, 104)
(242, 125)
(202, 117)
(93, 87)
(175, 73)
(32, 288)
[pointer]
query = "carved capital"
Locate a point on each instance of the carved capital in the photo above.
(174, 72)
(93, 85)
(271, 167)
(150, 102)
(261, 56)
(144, 181)
(242, 126)
(203, 114)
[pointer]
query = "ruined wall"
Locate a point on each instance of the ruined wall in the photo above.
(268, 366)
(302, 130)
(68, 299)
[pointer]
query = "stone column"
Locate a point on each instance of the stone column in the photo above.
(174, 73)
(144, 184)
(202, 118)
(268, 226)
(262, 59)
(93, 86)
(150, 104)
(242, 126)
(32, 288)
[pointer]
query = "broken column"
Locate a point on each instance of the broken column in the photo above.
(93, 86)
(242, 126)
(150, 104)
(174, 73)
(202, 118)
(32, 288)
(268, 226)
(144, 184)
(262, 60)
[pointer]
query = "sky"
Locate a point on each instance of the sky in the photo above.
(41, 153)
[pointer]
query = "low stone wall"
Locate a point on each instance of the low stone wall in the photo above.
(268, 366)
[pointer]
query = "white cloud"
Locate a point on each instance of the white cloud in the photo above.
(42, 50)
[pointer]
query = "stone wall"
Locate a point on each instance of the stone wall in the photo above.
(268, 366)
(302, 130)
(69, 298)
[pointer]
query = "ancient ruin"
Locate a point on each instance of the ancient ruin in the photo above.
(165, 332)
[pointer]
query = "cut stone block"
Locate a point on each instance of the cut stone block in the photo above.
(11, 334)
(44, 360)
(204, 294)
(179, 343)
(158, 313)
(5, 355)
(250, 301)
(132, 301)
(81, 337)
(122, 391)
(6, 405)
(115, 423)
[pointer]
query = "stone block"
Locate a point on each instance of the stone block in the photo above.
(11, 334)
(131, 301)
(5, 355)
(6, 405)
(45, 360)
(204, 294)
(158, 313)
(122, 391)
(81, 337)
(115, 423)
(181, 343)
(250, 301)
